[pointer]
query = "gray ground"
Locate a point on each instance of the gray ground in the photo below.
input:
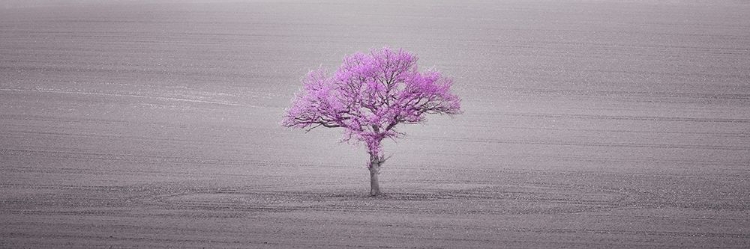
(600, 124)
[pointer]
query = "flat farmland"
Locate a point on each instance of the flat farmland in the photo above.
(586, 124)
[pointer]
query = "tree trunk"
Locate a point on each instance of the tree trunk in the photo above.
(374, 172)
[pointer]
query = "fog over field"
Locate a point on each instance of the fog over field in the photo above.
(586, 124)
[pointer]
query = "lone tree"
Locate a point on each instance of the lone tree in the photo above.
(368, 96)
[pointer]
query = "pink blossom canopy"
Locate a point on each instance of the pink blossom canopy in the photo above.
(369, 95)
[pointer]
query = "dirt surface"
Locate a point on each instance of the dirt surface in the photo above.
(587, 124)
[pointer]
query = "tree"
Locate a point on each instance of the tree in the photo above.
(368, 96)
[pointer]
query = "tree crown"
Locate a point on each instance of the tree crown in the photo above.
(369, 95)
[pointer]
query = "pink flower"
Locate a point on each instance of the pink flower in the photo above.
(369, 95)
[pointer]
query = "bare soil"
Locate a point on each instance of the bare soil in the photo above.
(587, 124)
